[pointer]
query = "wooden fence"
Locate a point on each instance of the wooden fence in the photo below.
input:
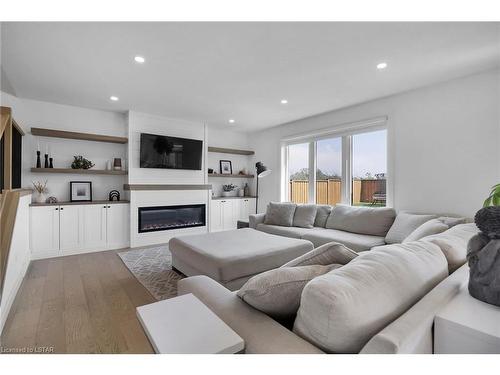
(329, 191)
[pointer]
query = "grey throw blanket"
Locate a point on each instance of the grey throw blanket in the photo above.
(483, 255)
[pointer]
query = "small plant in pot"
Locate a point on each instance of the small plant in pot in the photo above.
(483, 251)
(229, 190)
(79, 162)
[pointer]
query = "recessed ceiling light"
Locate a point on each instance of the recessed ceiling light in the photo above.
(139, 59)
(381, 65)
(231, 121)
(284, 101)
(113, 98)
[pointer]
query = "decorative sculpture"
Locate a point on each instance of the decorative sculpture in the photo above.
(114, 195)
(483, 255)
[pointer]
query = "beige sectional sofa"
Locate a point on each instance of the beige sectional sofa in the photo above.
(359, 228)
(383, 301)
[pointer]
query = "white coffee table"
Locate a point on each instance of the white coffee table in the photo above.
(185, 325)
(467, 326)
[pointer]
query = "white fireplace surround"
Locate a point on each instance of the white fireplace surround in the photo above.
(148, 198)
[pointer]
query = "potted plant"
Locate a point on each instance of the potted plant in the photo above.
(40, 189)
(228, 190)
(483, 251)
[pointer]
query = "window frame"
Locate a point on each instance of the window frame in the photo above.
(345, 132)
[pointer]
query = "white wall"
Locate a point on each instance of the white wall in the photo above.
(32, 113)
(444, 143)
(19, 259)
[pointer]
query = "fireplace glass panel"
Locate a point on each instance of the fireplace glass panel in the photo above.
(171, 217)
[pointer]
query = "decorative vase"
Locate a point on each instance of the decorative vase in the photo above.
(483, 256)
(241, 192)
(40, 197)
(227, 193)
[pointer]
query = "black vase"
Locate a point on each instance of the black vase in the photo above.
(46, 164)
(38, 161)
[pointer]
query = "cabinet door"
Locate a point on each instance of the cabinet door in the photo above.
(229, 212)
(94, 226)
(216, 223)
(251, 207)
(44, 223)
(70, 228)
(244, 209)
(117, 225)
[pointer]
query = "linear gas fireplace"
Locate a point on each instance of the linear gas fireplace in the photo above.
(153, 219)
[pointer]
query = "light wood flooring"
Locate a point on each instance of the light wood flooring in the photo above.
(78, 304)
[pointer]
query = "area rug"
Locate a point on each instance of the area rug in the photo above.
(153, 268)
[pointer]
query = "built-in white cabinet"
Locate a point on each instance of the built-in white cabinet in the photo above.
(225, 213)
(70, 233)
(44, 228)
(70, 229)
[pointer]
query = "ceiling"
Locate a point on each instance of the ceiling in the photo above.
(213, 72)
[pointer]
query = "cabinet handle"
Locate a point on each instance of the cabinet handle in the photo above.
(109, 206)
(62, 208)
(57, 208)
(104, 206)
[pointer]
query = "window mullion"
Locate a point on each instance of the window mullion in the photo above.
(312, 173)
(346, 169)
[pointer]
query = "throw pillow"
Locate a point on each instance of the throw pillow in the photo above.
(322, 214)
(304, 215)
(428, 228)
(280, 214)
(277, 292)
(404, 224)
(330, 253)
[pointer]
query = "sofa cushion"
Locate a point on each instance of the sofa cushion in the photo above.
(363, 220)
(341, 310)
(292, 232)
(452, 221)
(330, 253)
(322, 214)
(277, 292)
(304, 216)
(233, 254)
(453, 243)
(280, 214)
(433, 226)
(354, 241)
(404, 224)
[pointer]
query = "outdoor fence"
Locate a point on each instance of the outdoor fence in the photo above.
(329, 191)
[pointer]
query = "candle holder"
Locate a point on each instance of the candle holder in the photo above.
(46, 164)
(38, 161)
(51, 165)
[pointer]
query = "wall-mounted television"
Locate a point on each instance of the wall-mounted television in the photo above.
(159, 151)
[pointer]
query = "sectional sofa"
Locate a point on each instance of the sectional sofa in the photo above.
(382, 301)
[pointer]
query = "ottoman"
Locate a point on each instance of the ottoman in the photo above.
(232, 257)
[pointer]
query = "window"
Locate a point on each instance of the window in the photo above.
(350, 168)
(329, 171)
(369, 168)
(298, 172)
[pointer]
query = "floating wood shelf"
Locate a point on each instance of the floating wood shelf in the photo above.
(79, 136)
(77, 171)
(230, 151)
(231, 175)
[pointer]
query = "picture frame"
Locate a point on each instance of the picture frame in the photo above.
(80, 191)
(226, 167)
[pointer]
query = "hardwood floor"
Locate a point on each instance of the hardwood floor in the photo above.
(78, 304)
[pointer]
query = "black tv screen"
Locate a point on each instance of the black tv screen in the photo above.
(158, 151)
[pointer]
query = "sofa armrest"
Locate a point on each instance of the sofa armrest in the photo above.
(255, 219)
(412, 332)
(261, 333)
